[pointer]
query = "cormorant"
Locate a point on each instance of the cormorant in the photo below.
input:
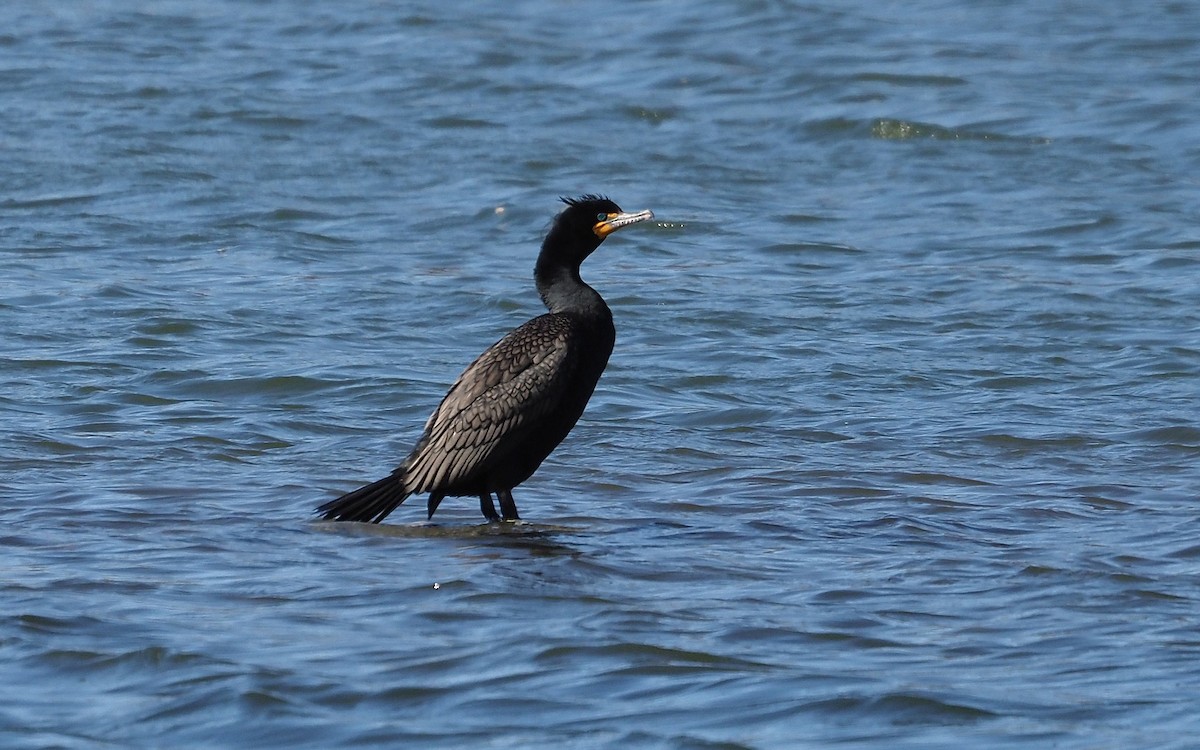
(515, 403)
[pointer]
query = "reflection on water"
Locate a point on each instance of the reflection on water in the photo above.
(543, 540)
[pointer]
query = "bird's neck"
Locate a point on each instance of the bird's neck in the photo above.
(563, 291)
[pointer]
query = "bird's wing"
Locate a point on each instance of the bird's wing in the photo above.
(497, 399)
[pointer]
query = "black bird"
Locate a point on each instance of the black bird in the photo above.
(515, 403)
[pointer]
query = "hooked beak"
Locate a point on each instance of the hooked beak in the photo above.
(615, 221)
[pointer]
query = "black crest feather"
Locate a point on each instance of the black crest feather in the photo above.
(583, 198)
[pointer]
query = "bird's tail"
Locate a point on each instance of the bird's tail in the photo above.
(371, 503)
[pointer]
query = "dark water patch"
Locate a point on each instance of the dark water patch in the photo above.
(937, 479)
(1183, 438)
(902, 708)
(920, 81)
(654, 116)
(460, 123)
(165, 327)
(1020, 444)
(642, 656)
(1187, 553)
(524, 533)
(49, 201)
(97, 664)
(295, 214)
(196, 384)
(903, 130)
(1014, 383)
(267, 120)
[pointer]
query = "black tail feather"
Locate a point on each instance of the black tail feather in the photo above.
(371, 503)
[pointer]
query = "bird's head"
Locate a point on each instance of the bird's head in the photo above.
(586, 221)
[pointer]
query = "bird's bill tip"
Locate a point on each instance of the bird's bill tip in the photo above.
(615, 221)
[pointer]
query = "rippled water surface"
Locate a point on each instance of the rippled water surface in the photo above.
(898, 448)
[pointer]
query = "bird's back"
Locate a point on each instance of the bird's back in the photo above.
(511, 407)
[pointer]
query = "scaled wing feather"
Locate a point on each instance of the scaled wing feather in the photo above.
(498, 398)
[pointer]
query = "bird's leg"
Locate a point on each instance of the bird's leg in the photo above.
(487, 507)
(507, 505)
(435, 499)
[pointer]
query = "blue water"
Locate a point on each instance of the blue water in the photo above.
(898, 447)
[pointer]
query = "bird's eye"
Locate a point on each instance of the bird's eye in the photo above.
(601, 216)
